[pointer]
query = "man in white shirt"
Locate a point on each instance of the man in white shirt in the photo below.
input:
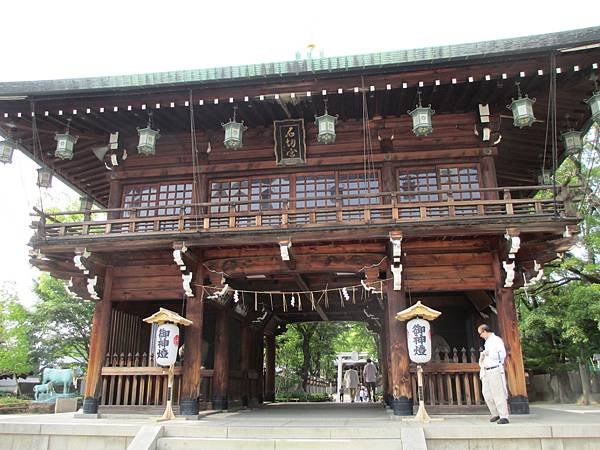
(370, 377)
(351, 382)
(492, 376)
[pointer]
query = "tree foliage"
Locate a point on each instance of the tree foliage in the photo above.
(560, 318)
(15, 336)
(310, 348)
(62, 323)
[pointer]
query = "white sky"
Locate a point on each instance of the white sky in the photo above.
(67, 39)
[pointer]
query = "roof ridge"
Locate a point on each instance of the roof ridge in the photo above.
(296, 67)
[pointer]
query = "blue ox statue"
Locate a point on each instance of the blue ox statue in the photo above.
(66, 377)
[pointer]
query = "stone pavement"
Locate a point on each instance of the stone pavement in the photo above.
(305, 426)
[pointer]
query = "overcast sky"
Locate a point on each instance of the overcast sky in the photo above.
(68, 39)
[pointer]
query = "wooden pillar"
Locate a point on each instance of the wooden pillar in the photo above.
(260, 354)
(399, 362)
(221, 371)
(245, 362)
(270, 368)
(488, 174)
(192, 357)
(509, 332)
(98, 346)
(383, 362)
(115, 196)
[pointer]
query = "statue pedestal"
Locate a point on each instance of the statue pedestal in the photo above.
(65, 404)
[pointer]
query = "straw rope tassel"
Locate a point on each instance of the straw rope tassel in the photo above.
(271, 299)
(255, 301)
(341, 298)
(284, 305)
(299, 302)
(312, 300)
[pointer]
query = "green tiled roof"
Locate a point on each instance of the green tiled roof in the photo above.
(332, 64)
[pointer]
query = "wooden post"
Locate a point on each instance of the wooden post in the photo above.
(260, 353)
(385, 362)
(245, 362)
(509, 332)
(192, 357)
(221, 371)
(488, 175)
(399, 363)
(98, 346)
(270, 368)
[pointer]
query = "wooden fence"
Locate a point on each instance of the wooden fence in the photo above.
(451, 378)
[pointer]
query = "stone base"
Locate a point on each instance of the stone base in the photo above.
(402, 406)
(65, 404)
(189, 407)
(90, 405)
(519, 404)
(220, 402)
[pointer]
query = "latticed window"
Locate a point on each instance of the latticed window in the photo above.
(312, 190)
(358, 187)
(421, 185)
(269, 193)
(157, 199)
(229, 191)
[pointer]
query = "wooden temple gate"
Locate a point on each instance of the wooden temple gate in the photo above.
(354, 220)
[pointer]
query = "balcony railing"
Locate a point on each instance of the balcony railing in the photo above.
(380, 208)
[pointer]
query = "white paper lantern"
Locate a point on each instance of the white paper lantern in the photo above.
(419, 340)
(167, 343)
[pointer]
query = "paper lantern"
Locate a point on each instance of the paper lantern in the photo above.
(419, 340)
(167, 343)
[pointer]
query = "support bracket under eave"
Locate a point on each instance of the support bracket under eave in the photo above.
(513, 246)
(396, 266)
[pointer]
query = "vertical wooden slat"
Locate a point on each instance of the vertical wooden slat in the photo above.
(431, 387)
(468, 397)
(141, 396)
(449, 390)
(440, 388)
(165, 387)
(149, 387)
(457, 383)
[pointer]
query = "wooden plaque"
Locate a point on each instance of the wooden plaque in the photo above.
(290, 147)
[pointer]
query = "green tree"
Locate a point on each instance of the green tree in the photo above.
(560, 318)
(15, 332)
(62, 323)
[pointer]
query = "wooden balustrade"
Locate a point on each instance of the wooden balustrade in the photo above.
(380, 208)
(134, 380)
(451, 378)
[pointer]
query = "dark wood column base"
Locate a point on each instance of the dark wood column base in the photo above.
(90, 405)
(402, 406)
(189, 406)
(220, 402)
(519, 404)
(269, 396)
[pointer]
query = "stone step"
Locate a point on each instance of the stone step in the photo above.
(186, 443)
(199, 430)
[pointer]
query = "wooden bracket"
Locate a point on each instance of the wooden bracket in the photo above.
(284, 248)
(509, 269)
(396, 266)
(187, 263)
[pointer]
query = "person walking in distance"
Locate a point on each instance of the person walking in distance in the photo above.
(351, 382)
(492, 376)
(370, 377)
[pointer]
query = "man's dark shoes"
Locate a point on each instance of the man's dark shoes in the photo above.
(493, 419)
(502, 421)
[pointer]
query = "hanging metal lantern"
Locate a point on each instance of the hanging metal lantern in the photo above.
(421, 117)
(234, 132)
(522, 109)
(148, 137)
(44, 178)
(594, 104)
(86, 203)
(65, 143)
(572, 141)
(7, 149)
(326, 127)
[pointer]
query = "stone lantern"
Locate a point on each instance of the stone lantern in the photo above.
(522, 109)
(594, 104)
(44, 178)
(147, 139)
(421, 117)
(234, 132)
(326, 127)
(7, 149)
(572, 141)
(65, 144)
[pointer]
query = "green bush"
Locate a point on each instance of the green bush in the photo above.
(301, 396)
